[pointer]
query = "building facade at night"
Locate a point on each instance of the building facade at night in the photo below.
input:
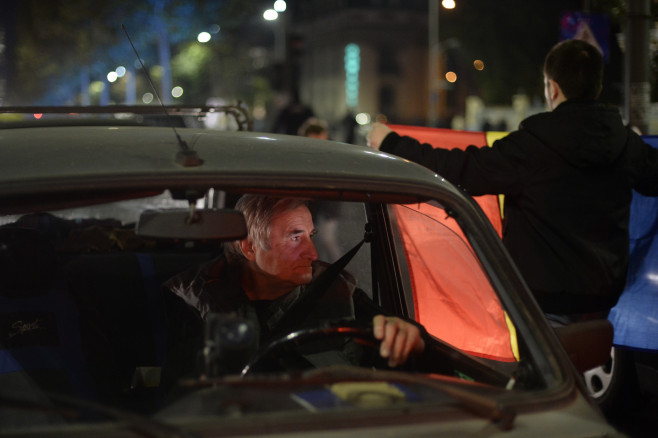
(348, 57)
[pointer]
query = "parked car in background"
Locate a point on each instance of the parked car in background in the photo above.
(95, 215)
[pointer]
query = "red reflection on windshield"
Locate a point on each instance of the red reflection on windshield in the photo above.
(453, 297)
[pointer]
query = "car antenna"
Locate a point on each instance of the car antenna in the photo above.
(186, 157)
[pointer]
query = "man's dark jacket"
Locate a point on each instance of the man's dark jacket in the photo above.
(567, 177)
(214, 287)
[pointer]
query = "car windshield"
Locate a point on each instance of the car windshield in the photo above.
(453, 296)
(85, 314)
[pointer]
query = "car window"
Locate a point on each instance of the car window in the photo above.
(340, 226)
(122, 212)
(453, 296)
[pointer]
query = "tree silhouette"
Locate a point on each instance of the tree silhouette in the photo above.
(63, 46)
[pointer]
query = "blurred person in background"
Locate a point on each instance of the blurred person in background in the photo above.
(292, 116)
(314, 128)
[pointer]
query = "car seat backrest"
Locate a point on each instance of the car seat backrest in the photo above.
(90, 325)
(122, 320)
(39, 333)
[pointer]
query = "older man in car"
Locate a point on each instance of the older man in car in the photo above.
(262, 276)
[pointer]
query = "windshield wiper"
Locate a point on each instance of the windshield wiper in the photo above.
(144, 426)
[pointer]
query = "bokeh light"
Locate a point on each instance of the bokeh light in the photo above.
(177, 92)
(203, 37)
(448, 4)
(362, 118)
(280, 6)
(270, 15)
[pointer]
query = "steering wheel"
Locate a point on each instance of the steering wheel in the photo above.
(329, 330)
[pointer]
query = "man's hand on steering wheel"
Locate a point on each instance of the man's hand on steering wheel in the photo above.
(398, 339)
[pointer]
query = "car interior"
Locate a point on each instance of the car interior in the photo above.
(84, 314)
(84, 311)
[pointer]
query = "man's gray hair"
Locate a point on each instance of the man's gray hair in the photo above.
(259, 211)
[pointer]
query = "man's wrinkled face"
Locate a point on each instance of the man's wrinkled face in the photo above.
(291, 250)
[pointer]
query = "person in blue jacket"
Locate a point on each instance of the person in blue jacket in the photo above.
(567, 175)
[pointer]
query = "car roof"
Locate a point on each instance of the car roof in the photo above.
(80, 159)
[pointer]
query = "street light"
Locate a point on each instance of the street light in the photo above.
(203, 37)
(270, 15)
(279, 30)
(434, 83)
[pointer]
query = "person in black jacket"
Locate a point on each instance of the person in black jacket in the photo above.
(567, 176)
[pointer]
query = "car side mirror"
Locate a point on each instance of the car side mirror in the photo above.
(223, 224)
(587, 343)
